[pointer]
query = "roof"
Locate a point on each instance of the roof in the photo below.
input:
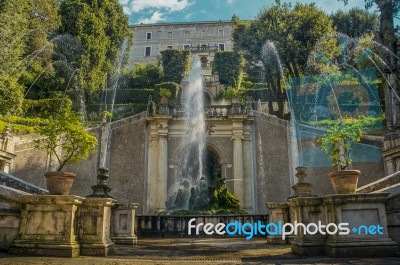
(182, 23)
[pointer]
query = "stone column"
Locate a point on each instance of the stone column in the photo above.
(47, 226)
(237, 137)
(278, 212)
(248, 203)
(94, 226)
(366, 218)
(162, 166)
(307, 210)
(123, 223)
(152, 169)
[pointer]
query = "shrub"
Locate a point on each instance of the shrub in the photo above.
(45, 108)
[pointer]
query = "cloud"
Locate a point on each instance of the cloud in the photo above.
(187, 16)
(135, 6)
(230, 1)
(157, 16)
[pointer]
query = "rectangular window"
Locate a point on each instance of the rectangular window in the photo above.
(170, 35)
(220, 32)
(169, 46)
(148, 35)
(147, 51)
(186, 46)
(203, 32)
(221, 46)
(186, 34)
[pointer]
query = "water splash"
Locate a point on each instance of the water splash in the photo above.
(106, 140)
(192, 184)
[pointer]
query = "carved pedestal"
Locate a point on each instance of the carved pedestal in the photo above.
(123, 223)
(307, 210)
(278, 212)
(366, 216)
(47, 226)
(94, 226)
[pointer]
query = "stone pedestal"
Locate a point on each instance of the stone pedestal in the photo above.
(278, 212)
(123, 223)
(94, 226)
(366, 216)
(307, 210)
(47, 226)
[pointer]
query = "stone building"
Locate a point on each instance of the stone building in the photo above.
(205, 36)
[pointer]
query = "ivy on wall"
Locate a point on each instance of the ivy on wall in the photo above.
(175, 63)
(229, 65)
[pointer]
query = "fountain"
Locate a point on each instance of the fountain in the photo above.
(193, 185)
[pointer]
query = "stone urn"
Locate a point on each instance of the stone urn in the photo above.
(59, 183)
(345, 181)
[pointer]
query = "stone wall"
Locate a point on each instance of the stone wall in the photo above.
(127, 168)
(9, 215)
(273, 167)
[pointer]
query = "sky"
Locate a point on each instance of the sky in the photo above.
(158, 11)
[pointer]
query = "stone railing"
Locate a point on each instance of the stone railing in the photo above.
(18, 184)
(381, 185)
(177, 226)
(210, 111)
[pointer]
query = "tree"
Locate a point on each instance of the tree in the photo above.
(14, 30)
(101, 27)
(355, 22)
(387, 37)
(25, 53)
(290, 33)
(141, 76)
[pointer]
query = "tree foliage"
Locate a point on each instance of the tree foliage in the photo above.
(355, 22)
(101, 27)
(279, 41)
(66, 132)
(141, 76)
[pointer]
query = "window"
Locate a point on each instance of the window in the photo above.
(169, 46)
(221, 46)
(147, 51)
(148, 35)
(220, 32)
(170, 35)
(203, 32)
(186, 33)
(186, 46)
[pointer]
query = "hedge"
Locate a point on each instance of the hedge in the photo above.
(175, 63)
(124, 96)
(251, 85)
(171, 86)
(229, 65)
(45, 108)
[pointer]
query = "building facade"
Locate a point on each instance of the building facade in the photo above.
(206, 36)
